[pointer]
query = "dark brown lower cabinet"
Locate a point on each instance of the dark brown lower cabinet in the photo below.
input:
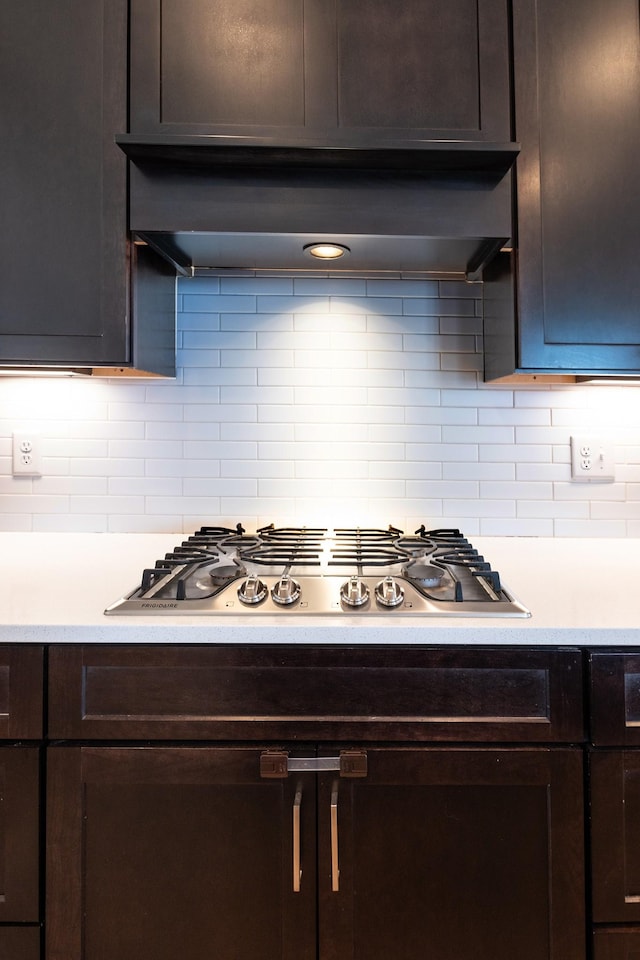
(158, 852)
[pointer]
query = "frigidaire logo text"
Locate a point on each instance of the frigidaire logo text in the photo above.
(156, 605)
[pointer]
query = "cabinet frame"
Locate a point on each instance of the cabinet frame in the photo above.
(319, 56)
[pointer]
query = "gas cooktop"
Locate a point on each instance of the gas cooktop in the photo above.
(299, 571)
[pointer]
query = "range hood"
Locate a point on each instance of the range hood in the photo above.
(436, 208)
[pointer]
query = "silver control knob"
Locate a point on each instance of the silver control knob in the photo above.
(389, 593)
(286, 590)
(252, 591)
(354, 592)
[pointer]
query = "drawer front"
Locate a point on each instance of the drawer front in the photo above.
(615, 698)
(312, 692)
(620, 943)
(21, 692)
(20, 943)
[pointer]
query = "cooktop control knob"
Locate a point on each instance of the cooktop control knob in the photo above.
(354, 592)
(389, 593)
(252, 591)
(286, 590)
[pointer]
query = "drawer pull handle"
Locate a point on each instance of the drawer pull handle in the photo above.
(297, 871)
(335, 868)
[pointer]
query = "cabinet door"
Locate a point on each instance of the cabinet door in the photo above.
(577, 112)
(453, 853)
(19, 835)
(63, 243)
(615, 835)
(158, 853)
(348, 68)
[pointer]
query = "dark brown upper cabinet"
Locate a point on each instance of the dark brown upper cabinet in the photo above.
(350, 70)
(574, 274)
(259, 126)
(71, 293)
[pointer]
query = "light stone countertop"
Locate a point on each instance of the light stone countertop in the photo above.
(54, 588)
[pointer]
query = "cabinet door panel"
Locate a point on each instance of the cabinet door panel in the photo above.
(63, 244)
(424, 65)
(457, 853)
(19, 834)
(615, 835)
(578, 209)
(20, 943)
(156, 853)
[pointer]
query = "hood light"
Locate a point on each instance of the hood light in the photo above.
(326, 251)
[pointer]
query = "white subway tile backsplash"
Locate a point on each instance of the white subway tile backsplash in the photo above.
(328, 399)
(479, 508)
(252, 322)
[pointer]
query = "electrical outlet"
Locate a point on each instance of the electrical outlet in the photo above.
(27, 459)
(592, 458)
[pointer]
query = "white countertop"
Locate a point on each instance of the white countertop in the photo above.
(54, 588)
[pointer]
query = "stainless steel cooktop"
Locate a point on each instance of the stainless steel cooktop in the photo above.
(298, 571)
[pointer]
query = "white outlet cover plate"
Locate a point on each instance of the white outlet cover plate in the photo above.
(592, 459)
(27, 459)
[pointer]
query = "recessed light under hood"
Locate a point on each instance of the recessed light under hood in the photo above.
(439, 209)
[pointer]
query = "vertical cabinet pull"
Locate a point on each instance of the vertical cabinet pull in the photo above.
(335, 868)
(297, 871)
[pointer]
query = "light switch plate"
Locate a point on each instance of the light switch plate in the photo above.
(592, 459)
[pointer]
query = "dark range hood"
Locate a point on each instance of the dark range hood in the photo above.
(438, 208)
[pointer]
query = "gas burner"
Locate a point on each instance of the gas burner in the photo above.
(426, 573)
(302, 571)
(220, 575)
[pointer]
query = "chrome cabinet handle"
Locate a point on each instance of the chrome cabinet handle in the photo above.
(297, 871)
(335, 868)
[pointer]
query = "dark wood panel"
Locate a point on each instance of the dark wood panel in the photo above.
(615, 835)
(19, 834)
(20, 943)
(615, 698)
(388, 51)
(618, 943)
(177, 852)
(63, 182)
(234, 62)
(577, 110)
(21, 692)
(315, 692)
(473, 853)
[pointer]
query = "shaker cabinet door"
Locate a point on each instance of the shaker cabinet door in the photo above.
(575, 270)
(615, 835)
(64, 298)
(452, 854)
(164, 853)
(19, 838)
